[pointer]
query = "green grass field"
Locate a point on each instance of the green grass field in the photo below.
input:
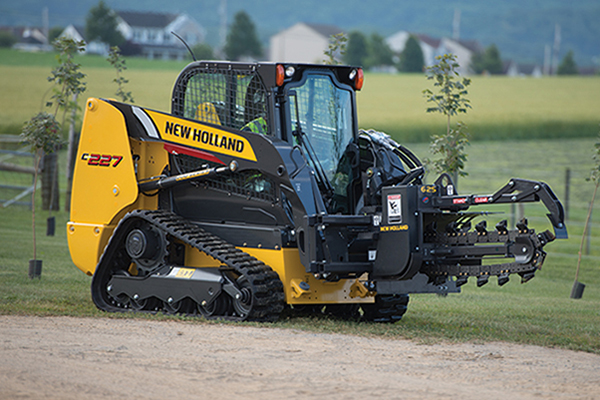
(539, 312)
(503, 108)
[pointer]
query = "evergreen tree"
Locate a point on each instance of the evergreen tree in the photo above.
(356, 49)
(242, 39)
(411, 59)
(203, 51)
(7, 39)
(488, 62)
(101, 24)
(379, 52)
(567, 65)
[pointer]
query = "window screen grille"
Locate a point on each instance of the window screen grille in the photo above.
(227, 97)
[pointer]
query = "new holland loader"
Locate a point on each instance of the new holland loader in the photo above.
(258, 193)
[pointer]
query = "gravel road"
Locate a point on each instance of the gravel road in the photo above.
(99, 358)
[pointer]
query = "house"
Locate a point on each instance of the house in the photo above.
(432, 47)
(511, 68)
(429, 46)
(29, 38)
(77, 33)
(464, 50)
(149, 34)
(152, 33)
(302, 43)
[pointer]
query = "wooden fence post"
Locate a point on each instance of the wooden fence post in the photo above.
(567, 190)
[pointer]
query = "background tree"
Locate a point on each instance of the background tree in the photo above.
(356, 49)
(336, 49)
(488, 62)
(379, 52)
(203, 51)
(567, 65)
(7, 39)
(68, 85)
(101, 24)
(242, 39)
(54, 33)
(594, 177)
(411, 59)
(449, 100)
(43, 131)
(42, 134)
(118, 63)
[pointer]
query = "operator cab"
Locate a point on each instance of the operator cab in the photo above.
(320, 118)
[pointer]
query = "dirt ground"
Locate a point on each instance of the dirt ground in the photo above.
(83, 358)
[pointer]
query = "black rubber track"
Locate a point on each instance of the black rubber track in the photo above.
(267, 298)
(387, 308)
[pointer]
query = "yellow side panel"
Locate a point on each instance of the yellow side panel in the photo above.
(286, 262)
(86, 244)
(104, 183)
(104, 180)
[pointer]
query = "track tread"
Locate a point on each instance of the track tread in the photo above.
(267, 288)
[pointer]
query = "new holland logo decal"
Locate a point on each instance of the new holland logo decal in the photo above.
(200, 136)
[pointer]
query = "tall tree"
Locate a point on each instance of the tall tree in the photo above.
(488, 62)
(379, 52)
(336, 49)
(242, 39)
(101, 24)
(356, 49)
(567, 65)
(411, 59)
(449, 100)
(7, 39)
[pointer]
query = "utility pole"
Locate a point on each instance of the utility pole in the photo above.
(547, 53)
(46, 24)
(456, 25)
(222, 29)
(556, 49)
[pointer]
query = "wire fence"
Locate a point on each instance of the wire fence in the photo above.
(16, 172)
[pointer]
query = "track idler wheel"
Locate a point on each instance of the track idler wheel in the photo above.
(147, 247)
(219, 307)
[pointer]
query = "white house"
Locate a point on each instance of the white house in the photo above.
(464, 52)
(152, 33)
(302, 43)
(431, 48)
(28, 38)
(511, 68)
(77, 33)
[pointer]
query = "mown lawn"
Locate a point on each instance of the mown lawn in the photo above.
(539, 312)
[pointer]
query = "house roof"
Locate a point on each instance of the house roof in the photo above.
(325, 30)
(472, 45)
(80, 30)
(25, 34)
(147, 19)
(433, 42)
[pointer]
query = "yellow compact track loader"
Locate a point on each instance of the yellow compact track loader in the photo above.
(258, 192)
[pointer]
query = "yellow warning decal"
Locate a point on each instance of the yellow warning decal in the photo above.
(393, 228)
(185, 273)
(200, 136)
